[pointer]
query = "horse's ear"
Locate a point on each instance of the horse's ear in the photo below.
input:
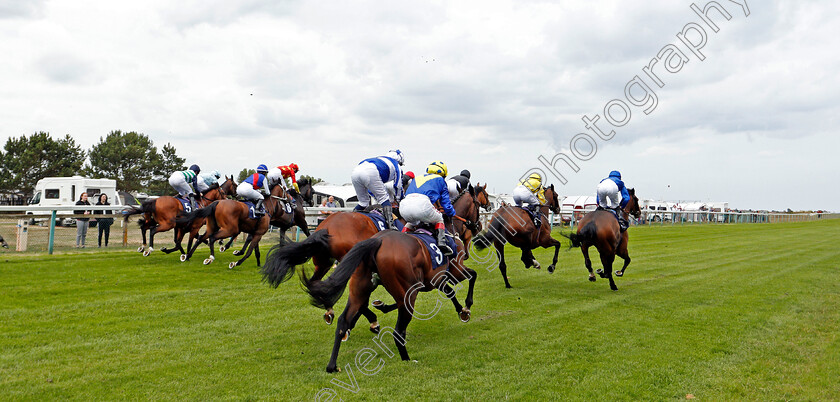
(471, 190)
(552, 187)
(632, 191)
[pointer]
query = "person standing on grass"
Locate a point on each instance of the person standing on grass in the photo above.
(104, 224)
(81, 223)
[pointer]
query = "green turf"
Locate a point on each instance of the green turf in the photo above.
(722, 312)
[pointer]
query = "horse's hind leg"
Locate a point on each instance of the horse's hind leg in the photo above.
(607, 259)
(500, 249)
(179, 236)
(371, 317)
(227, 246)
(529, 260)
(346, 320)
(255, 240)
(622, 252)
(403, 320)
(584, 249)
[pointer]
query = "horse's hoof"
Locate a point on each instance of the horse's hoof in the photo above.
(599, 271)
(377, 303)
(328, 317)
(183, 257)
(464, 315)
(140, 249)
(333, 369)
(222, 249)
(207, 261)
(591, 279)
(613, 288)
(374, 327)
(537, 264)
(619, 273)
(147, 252)
(551, 269)
(237, 252)
(346, 336)
(232, 265)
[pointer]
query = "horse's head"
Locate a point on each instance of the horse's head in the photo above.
(306, 191)
(633, 206)
(228, 187)
(482, 197)
(552, 200)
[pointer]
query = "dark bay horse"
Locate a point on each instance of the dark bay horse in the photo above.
(600, 228)
(159, 215)
(513, 225)
(404, 267)
(283, 219)
(467, 223)
(228, 218)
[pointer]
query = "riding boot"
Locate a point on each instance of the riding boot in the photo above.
(536, 214)
(622, 223)
(258, 208)
(193, 200)
(294, 195)
(440, 234)
(389, 217)
(358, 208)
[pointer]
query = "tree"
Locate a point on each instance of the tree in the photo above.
(131, 158)
(244, 173)
(168, 162)
(27, 160)
(312, 180)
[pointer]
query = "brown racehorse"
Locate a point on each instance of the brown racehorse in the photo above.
(159, 215)
(331, 241)
(404, 267)
(513, 225)
(467, 206)
(600, 228)
(284, 220)
(228, 218)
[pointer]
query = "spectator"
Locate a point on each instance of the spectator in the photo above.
(329, 203)
(81, 223)
(104, 224)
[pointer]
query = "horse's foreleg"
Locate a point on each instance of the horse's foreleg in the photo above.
(403, 320)
(622, 252)
(345, 321)
(255, 241)
(179, 236)
(244, 246)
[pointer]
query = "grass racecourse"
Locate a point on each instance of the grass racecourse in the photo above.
(720, 312)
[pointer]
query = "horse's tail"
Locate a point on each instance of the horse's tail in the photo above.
(324, 294)
(284, 256)
(588, 233)
(197, 214)
(494, 232)
(147, 206)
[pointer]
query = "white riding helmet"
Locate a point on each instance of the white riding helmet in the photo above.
(396, 155)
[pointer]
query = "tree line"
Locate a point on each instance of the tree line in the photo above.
(131, 158)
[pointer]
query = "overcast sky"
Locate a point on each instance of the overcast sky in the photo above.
(484, 85)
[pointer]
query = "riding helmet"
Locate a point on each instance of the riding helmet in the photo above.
(396, 155)
(294, 167)
(438, 168)
(465, 173)
(262, 169)
(195, 168)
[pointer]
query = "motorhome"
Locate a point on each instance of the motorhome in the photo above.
(65, 191)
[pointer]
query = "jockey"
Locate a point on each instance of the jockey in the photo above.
(530, 192)
(206, 182)
(607, 195)
(285, 177)
(185, 183)
(375, 174)
(458, 183)
(407, 177)
(418, 205)
(250, 189)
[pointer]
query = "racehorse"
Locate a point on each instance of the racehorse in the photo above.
(513, 225)
(405, 268)
(466, 223)
(159, 216)
(228, 218)
(284, 220)
(600, 228)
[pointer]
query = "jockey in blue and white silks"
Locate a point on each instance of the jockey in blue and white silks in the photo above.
(419, 203)
(205, 182)
(185, 182)
(251, 186)
(374, 174)
(613, 194)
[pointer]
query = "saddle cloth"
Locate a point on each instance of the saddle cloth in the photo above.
(379, 220)
(438, 259)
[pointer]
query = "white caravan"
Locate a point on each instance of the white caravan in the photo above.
(65, 191)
